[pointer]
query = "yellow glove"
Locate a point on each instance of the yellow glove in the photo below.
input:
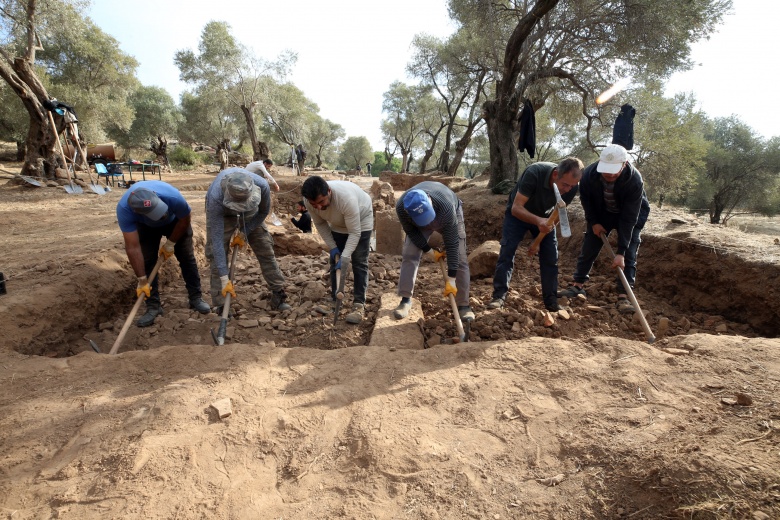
(449, 287)
(238, 241)
(437, 255)
(143, 287)
(227, 286)
(167, 249)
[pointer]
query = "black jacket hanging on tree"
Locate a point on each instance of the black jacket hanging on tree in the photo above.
(527, 141)
(623, 132)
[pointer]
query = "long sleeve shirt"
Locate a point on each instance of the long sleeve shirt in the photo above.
(259, 168)
(445, 204)
(350, 212)
(216, 213)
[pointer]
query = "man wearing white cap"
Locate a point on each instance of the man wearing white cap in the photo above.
(431, 206)
(148, 211)
(613, 196)
(239, 198)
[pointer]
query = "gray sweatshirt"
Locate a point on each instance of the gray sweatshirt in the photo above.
(350, 212)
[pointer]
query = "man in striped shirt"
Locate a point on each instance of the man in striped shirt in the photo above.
(613, 196)
(428, 207)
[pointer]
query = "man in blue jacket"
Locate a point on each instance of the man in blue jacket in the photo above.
(613, 197)
(148, 211)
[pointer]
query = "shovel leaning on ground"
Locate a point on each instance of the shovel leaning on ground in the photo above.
(462, 335)
(630, 293)
(219, 336)
(133, 312)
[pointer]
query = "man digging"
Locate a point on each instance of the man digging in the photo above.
(343, 215)
(428, 207)
(529, 205)
(238, 198)
(148, 211)
(613, 196)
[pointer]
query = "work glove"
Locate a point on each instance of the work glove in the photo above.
(227, 286)
(333, 252)
(143, 287)
(167, 249)
(343, 264)
(437, 255)
(449, 287)
(239, 240)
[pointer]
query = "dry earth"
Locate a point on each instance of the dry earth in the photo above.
(580, 419)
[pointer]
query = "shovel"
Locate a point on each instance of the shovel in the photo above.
(219, 336)
(94, 186)
(29, 180)
(73, 188)
(133, 312)
(339, 292)
(462, 336)
(630, 293)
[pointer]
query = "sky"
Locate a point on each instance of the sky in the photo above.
(350, 51)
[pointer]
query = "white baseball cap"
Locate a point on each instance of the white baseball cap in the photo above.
(612, 159)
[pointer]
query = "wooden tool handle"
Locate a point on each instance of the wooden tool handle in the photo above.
(453, 304)
(551, 221)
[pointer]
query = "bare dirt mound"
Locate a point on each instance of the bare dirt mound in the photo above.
(577, 419)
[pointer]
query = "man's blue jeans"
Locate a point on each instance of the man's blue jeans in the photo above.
(591, 246)
(359, 265)
(513, 232)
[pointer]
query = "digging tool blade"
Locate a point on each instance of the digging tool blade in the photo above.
(458, 322)
(219, 336)
(562, 215)
(339, 293)
(94, 346)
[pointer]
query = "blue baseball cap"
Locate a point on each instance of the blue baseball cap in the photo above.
(418, 206)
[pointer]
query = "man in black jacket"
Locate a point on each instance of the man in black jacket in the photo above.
(613, 197)
(304, 224)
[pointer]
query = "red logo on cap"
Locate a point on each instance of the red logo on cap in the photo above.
(147, 203)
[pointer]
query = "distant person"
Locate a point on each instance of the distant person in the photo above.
(344, 216)
(148, 211)
(304, 223)
(262, 169)
(431, 206)
(527, 209)
(613, 196)
(240, 200)
(368, 168)
(300, 155)
(359, 171)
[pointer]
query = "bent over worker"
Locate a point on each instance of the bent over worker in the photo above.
(344, 216)
(238, 199)
(613, 196)
(148, 211)
(529, 205)
(431, 206)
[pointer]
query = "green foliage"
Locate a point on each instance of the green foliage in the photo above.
(208, 119)
(324, 136)
(380, 165)
(156, 114)
(289, 112)
(355, 151)
(185, 157)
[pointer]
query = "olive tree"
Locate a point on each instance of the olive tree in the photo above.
(355, 152)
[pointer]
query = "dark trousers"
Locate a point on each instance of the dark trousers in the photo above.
(150, 238)
(512, 234)
(359, 265)
(591, 246)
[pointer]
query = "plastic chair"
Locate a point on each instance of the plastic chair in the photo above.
(102, 171)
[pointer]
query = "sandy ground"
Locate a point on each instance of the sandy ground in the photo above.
(579, 419)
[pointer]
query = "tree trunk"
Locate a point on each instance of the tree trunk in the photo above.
(424, 160)
(460, 150)
(260, 150)
(21, 149)
(503, 152)
(159, 147)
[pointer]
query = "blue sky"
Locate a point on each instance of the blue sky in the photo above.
(351, 50)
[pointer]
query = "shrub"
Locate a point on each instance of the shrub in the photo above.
(182, 156)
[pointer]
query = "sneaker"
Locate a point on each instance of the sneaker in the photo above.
(402, 311)
(466, 313)
(152, 311)
(496, 303)
(572, 292)
(278, 301)
(624, 306)
(199, 305)
(356, 316)
(325, 308)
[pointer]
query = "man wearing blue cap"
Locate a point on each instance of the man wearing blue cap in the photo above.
(428, 207)
(148, 211)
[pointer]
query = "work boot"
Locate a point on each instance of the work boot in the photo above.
(402, 311)
(495, 303)
(325, 308)
(572, 292)
(356, 316)
(466, 313)
(277, 301)
(624, 306)
(152, 311)
(199, 305)
(554, 307)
